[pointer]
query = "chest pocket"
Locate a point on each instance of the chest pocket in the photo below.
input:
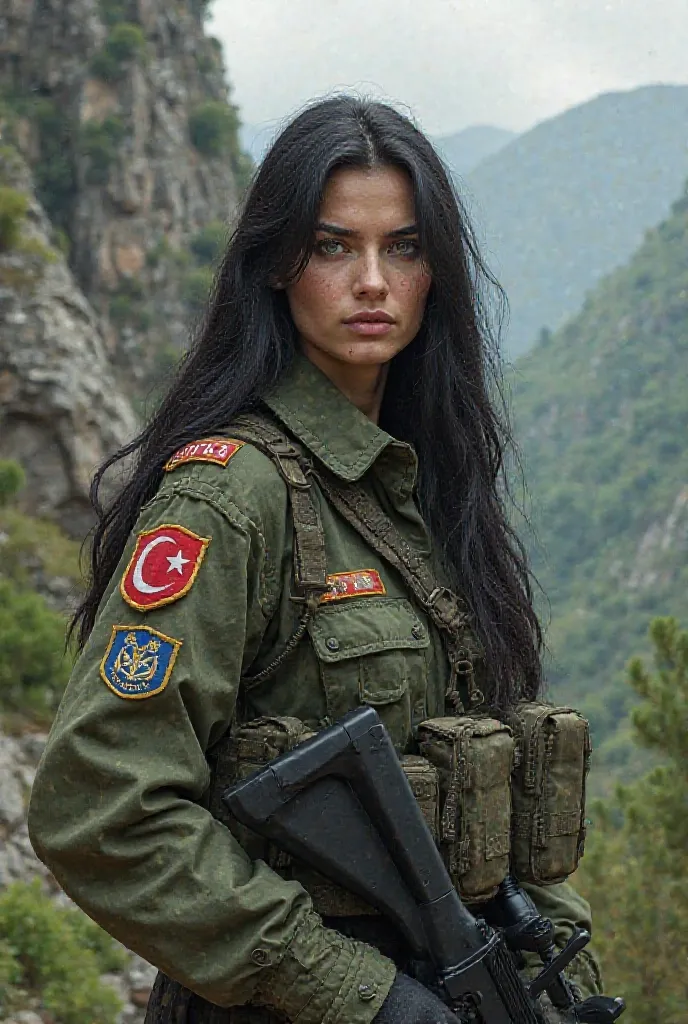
(373, 651)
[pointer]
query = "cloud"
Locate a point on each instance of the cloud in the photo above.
(451, 62)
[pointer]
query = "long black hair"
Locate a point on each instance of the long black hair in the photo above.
(443, 393)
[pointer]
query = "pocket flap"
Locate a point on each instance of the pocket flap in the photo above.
(367, 627)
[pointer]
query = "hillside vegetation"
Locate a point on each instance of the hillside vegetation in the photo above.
(601, 410)
(636, 862)
(567, 202)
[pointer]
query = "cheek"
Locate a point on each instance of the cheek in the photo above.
(412, 292)
(314, 293)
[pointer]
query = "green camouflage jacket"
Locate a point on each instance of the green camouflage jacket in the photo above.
(202, 596)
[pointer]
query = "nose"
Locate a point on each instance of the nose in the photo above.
(370, 281)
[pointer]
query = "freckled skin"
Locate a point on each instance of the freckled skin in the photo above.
(367, 270)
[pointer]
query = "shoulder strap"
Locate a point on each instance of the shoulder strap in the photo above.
(310, 567)
(447, 611)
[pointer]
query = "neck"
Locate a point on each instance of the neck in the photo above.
(364, 386)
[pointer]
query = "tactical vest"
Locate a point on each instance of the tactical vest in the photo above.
(499, 793)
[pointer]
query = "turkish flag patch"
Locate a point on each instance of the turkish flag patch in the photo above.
(163, 567)
(211, 449)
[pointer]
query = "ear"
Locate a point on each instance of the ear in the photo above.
(275, 283)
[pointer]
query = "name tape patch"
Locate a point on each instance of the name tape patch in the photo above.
(211, 449)
(138, 661)
(163, 567)
(360, 583)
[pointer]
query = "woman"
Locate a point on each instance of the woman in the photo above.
(347, 312)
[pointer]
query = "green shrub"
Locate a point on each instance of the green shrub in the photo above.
(36, 542)
(12, 479)
(13, 208)
(33, 665)
(99, 144)
(54, 955)
(196, 288)
(208, 245)
(213, 127)
(54, 173)
(125, 43)
(126, 311)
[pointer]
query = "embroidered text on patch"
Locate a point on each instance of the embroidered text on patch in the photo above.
(211, 449)
(163, 567)
(353, 584)
(138, 661)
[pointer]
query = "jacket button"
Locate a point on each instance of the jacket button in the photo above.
(367, 990)
(261, 957)
(417, 632)
(332, 643)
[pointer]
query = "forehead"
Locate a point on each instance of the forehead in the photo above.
(368, 199)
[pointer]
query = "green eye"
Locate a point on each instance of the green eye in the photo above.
(330, 247)
(406, 247)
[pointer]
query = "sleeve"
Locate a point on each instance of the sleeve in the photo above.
(567, 910)
(116, 810)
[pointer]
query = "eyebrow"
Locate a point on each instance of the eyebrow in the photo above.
(336, 229)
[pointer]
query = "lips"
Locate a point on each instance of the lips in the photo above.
(370, 316)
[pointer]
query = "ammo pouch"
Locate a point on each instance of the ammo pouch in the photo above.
(474, 759)
(247, 748)
(548, 792)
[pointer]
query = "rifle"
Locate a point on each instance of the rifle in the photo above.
(341, 803)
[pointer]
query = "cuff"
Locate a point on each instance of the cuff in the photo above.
(325, 978)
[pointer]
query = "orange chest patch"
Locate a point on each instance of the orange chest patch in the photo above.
(360, 583)
(211, 449)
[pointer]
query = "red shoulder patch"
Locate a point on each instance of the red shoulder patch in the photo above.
(210, 449)
(361, 583)
(163, 567)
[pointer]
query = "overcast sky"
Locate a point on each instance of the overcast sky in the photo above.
(452, 63)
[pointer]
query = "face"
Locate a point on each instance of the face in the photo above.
(361, 298)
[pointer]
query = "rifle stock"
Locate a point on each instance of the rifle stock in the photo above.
(341, 803)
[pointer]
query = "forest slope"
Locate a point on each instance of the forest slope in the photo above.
(567, 202)
(601, 411)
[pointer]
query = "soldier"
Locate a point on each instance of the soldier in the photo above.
(229, 583)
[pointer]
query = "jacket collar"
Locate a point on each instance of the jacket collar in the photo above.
(330, 426)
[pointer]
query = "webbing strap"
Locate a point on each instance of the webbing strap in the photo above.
(447, 611)
(310, 567)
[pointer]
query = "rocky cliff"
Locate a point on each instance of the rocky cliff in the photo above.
(60, 411)
(120, 110)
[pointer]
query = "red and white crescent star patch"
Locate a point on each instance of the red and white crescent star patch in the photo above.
(360, 583)
(163, 567)
(211, 449)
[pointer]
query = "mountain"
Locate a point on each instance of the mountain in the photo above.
(601, 412)
(565, 203)
(463, 151)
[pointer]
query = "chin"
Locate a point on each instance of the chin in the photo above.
(373, 352)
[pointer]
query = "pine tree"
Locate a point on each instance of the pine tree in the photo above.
(636, 867)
